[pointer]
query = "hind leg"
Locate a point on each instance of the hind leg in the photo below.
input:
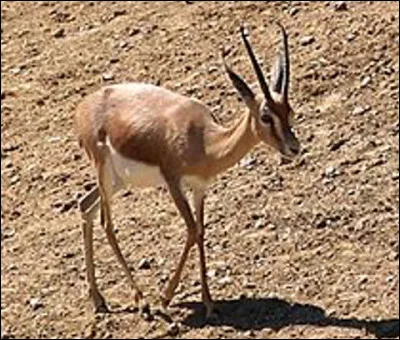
(106, 189)
(88, 206)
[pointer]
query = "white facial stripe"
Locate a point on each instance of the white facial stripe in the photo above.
(278, 126)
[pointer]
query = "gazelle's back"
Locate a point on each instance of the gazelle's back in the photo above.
(143, 122)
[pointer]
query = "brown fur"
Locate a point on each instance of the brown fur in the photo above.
(161, 128)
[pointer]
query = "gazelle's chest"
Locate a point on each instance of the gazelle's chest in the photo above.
(134, 173)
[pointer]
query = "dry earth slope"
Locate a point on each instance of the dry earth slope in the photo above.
(301, 250)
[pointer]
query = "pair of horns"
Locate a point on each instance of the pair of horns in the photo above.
(281, 83)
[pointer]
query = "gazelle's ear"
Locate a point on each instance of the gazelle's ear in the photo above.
(240, 85)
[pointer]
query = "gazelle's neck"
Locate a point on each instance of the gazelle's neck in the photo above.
(231, 144)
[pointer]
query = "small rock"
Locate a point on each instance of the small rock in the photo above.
(36, 303)
(322, 223)
(119, 12)
(365, 81)
(7, 233)
(68, 205)
(359, 110)
(260, 223)
(293, 11)
(248, 162)
(395, 176)
(108, 76)
(394, 256)
(173, 329)
(123, 44)
(59, 33)
(350, 37)
(213, 69)
(225, 281)
(68, 255)
(339, 5)
(144, 264)
(331, 172)
(14, 180)
(54, 139)
(12, 267)
(134, 31)
(390, 278)
(211, 273)
(10, 147)
(271, 226)
(363, 279)
(16, 70)
(250, 285)
(336, 145)
(250, 333)
(323, 61)
(306, 40)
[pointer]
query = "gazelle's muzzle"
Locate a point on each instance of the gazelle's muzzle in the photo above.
(290, 145)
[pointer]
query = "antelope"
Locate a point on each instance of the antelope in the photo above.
(141, 135)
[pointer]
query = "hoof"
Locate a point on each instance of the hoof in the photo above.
(164, 302)
(100, 306)
(99, 302)
(212, 314)
(145, 312)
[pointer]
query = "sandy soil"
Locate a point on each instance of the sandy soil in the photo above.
(302, 250)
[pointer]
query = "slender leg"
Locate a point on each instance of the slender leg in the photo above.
(89, 205)
(105, 195)
(184, 209)
(198, 198)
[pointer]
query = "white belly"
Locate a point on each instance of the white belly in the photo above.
(135, 173)
(138, 174)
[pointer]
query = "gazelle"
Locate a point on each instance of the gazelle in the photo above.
(142, 135)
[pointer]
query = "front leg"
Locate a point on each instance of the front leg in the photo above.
(184, 209)
(198, 198)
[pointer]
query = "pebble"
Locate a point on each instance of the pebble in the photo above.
(144, 264)
(173, 329)
(225, 281)
(36, 303)
(363, 279)
(293, 11)
(7, 233)
(59, 33)
(250, 285)
(331, 172)
(350, 37)
(134, 31)
(365, 81)
(108, 76)
(213, 69)
(248, 162)
(260, 223)
(306, 40)
(336, 145)
(339, 5)
(358, 110)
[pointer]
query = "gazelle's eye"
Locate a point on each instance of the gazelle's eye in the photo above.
(267, 119)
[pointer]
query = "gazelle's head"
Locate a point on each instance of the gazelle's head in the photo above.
(272, 111)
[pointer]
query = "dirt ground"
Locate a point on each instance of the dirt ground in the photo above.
(308, 249)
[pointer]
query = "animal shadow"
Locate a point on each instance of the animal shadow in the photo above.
(256, 314)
